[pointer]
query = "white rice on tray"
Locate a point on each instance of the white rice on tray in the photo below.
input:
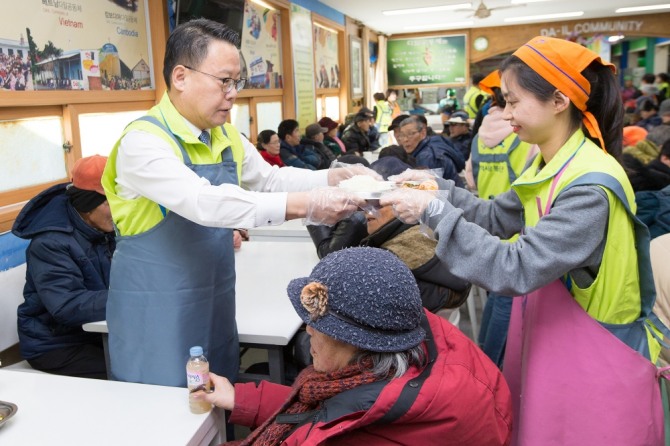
(364, 183)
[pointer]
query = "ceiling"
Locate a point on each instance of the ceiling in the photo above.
(369, 12)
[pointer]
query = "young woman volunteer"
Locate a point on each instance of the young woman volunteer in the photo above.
(581, 265)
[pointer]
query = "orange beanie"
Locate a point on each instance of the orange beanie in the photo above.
(561, 63)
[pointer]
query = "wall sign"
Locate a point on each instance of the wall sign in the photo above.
(425, 61)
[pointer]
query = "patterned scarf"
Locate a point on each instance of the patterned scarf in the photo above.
(310, 389)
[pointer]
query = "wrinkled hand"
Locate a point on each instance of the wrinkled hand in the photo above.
(342, 171)
(412, 175)
(223, 394)
(409, 204)
(326, 206)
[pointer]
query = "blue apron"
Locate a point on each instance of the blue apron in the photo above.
(171, 288)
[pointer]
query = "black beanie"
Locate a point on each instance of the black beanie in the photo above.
(84, 200)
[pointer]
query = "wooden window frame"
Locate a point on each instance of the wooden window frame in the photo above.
(69, 105)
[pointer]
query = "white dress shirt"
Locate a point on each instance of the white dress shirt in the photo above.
(147, 166)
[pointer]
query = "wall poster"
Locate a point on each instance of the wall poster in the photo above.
(75, 45)
(426, 61)
(326, 57)
(356, 67)
(260, 46)
(303, 65)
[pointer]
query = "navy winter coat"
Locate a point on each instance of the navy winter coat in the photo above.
(435, 152)
(67, 274)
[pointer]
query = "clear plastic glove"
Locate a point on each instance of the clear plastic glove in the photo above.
(222, 394)
(413, 175)
(409, 204)
(326, 206)
(342, 171)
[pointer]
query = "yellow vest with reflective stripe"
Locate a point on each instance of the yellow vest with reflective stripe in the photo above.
(614, 296)
(470, 101)
(492, 165)
(384, 115)
(140, 214)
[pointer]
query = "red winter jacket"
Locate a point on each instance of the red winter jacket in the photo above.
(464, 400)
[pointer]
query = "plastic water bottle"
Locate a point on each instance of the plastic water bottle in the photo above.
(197, 378)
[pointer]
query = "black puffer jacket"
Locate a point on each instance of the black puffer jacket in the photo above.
(439, 288)
(67, 274)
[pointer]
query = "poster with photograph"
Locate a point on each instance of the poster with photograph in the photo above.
(260, 46)
(326, 58)
(75, 45)
(426, 61)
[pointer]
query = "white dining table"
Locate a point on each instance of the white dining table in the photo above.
(265, 317)
(62, 410)
(289, 231)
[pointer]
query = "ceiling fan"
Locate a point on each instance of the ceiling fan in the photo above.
(482, 11)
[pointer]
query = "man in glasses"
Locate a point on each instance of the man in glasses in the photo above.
(430, 152)
(179, 180)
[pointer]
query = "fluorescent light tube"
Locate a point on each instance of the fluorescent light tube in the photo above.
(561, 15)
(437, 26)
(641, 8)
(428, 9)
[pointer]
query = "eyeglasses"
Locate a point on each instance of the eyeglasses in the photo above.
(227, 83)
(407, 135)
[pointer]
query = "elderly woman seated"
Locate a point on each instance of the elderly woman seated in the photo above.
(385, 370)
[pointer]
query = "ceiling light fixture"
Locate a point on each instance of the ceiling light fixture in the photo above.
(561, 15)
(264, 5)
(641, 8)
(614, 39)
(521, 2)
(437, 26)
(428, 9)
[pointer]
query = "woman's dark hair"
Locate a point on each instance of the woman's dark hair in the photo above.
(391, 90)
(604, 101)
(189, 42)
(498, 98)
(378, 96)
(264, 138)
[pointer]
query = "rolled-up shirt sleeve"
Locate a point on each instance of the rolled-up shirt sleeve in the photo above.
(147, 166)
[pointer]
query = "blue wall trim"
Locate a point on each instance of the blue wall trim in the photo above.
(322, 10)
(12, 251)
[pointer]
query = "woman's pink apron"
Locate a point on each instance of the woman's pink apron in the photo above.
(573, 382)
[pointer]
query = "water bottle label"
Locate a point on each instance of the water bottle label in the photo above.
(196, 379)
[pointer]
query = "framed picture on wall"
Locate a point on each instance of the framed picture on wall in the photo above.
(356, 67)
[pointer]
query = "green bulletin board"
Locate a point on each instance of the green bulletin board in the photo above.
(425, 61)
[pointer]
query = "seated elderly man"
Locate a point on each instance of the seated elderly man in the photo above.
(431, 152)
(385, 370)
(355, 136)
(314, 139)
(460, 135)
(68, 261)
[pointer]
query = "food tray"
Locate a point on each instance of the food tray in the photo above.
(7, 411)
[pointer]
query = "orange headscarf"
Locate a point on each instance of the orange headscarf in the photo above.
(561, 63)
(490, 81)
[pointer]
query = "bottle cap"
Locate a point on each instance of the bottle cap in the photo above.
(196, 351)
